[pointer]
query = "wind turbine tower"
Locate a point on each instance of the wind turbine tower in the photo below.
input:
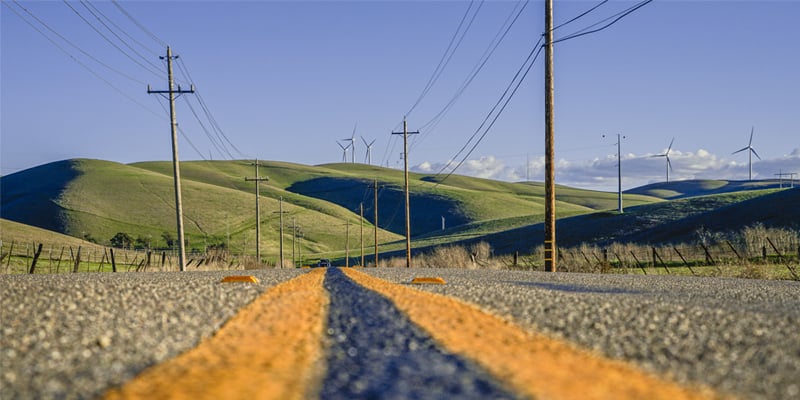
(368, 158)
(344, 151)
(352, 140)
(666, 155)
(749, 153)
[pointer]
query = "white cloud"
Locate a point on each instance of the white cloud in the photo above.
(637, 170)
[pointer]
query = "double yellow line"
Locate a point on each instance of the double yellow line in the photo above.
(274, 349)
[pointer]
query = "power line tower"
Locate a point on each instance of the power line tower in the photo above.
(405, 134)
(549, 136)
(257, 180)
(176, 169)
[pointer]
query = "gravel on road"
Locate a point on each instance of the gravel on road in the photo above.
(735, 335)
(74, 335)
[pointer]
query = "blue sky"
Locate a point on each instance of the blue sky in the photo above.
(286, 80)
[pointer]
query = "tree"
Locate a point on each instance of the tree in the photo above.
(168, 239)
(121, 240)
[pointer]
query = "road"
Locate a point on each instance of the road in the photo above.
(367, 333)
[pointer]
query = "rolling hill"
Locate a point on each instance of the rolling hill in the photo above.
(95, 199)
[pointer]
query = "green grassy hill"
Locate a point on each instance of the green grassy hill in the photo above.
(95, 199)
(693, 188)
(665, 222)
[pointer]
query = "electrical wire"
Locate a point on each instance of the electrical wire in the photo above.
(92, 9)
(619, 16)
(537, 49)
(498, 39)
(223, 138)
(95, 11)
(154, 72)
(70, 55)
(448, 54)
(76, 47)
(138, 24)
(581, 15)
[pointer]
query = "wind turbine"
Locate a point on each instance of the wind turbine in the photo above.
(352, 140)
(369, 149)
(344, 151)
(749, 153)
(666, 155)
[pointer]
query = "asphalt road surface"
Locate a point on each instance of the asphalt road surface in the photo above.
(344, 334)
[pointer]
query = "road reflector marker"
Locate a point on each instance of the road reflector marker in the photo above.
(240, 278)
(428, 280)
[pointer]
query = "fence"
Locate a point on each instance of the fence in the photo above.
(16, 258)
(694, 257)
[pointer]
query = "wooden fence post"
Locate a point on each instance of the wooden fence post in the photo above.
(638, 263)
(35, 258)
(780, 256)
(77, 260)
(684, 260)
(60, 256)
(734, 249)
(11, 252)
(113, 262)
(657, 256)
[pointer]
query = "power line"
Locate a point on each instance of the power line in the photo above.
(68, 54)
(496, 41)
(497, 115)
(213, 122)
(110, 21)
(138, 24)
(155, 72)
(619, 16)
(76, 47)
(448, 54)
(581, 15)
(208, 134)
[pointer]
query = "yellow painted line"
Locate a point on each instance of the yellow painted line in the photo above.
(271, 349)
(529, 362)
(240, 278)
(428, 279)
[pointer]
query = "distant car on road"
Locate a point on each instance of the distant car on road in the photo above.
(324, 263)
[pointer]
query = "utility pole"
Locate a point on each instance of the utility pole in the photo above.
(550, 258)
(405, 134)
(619, 172)
(294, 239)
(257, 180)
(375, 226)
(281, 212)
(347, 246)
(361, 208)
(176, 169)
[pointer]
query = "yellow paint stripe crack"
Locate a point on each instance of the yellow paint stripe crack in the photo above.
(531, 363)
(271, 349)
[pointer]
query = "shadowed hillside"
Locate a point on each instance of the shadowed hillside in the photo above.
(667, 222)
(693, 188)
(96, 199)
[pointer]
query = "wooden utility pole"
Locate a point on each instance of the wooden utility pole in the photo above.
(405, 134)
(280, 211)
(257, 179)
(347, 245)
(549, 163)
(294, 239)
(361, 208)
(176, 169)
(375, 226)
(619, 173)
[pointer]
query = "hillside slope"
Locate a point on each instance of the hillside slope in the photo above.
(667, 222)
